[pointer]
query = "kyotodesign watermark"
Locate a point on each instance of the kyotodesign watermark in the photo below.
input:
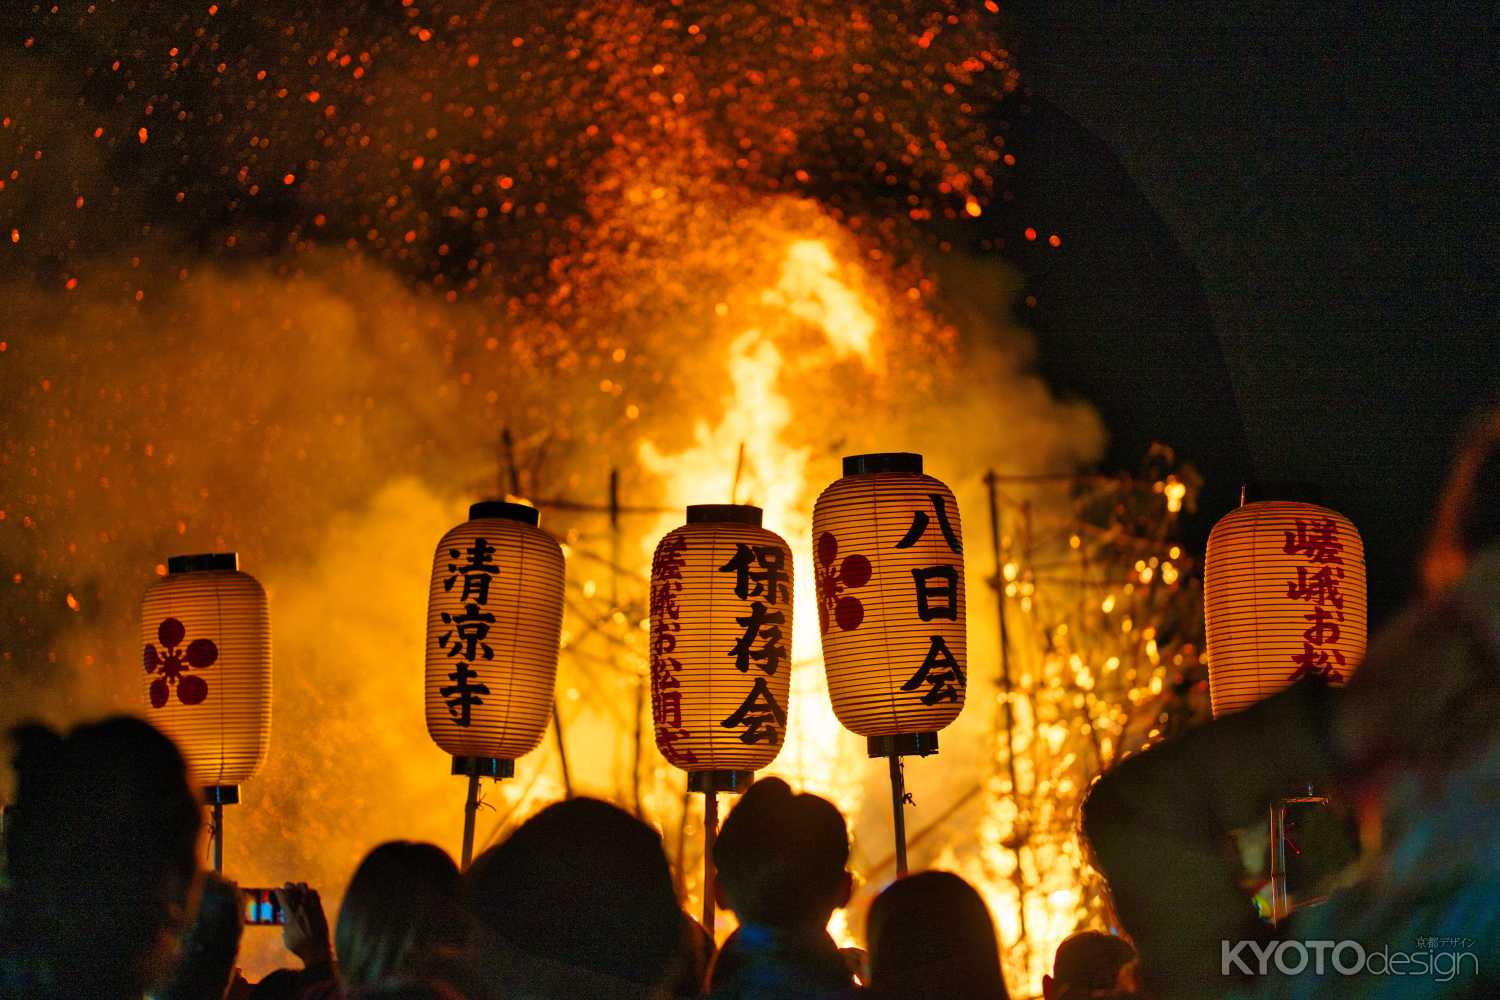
(1442, 959)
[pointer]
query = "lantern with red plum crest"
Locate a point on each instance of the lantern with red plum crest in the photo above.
(206, 630)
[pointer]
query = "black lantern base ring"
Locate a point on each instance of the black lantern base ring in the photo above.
(484, 767)
(221, 795)
(733, 782)
(903, 745)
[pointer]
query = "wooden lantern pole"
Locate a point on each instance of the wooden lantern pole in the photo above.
(898, 813)
(710, 833)
(471, 807)
(476, 768)
(217, 797)
(711, 783)
(896, 747)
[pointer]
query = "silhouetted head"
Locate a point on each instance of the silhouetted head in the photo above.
(400, 914)
(1089, 963)
(781, 857)
(930, 935)
(1468, 510)
(581, 885)
(210, 946)
(102, 853)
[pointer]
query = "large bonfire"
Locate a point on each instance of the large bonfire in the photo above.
(302, 282)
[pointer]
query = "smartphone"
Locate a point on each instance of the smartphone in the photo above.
(261, 907)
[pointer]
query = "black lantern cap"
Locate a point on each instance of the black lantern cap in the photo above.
(506, 511)
(884, 461)
(723, 513)
(204, 561)
(903, 745)
(485, 767)
(1295, 492)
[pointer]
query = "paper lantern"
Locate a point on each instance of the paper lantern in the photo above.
(206, 628)
(1284, 597)
(494, 620)
(888, 549)
(721, 642)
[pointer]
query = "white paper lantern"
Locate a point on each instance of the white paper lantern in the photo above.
(721, 642)
(888, 549)
(206, 630)
(1284, 597)
(494, 622)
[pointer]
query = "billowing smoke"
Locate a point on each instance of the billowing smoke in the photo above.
(310, 268)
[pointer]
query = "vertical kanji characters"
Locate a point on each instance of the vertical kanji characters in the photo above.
(1319, 584)
(764, 627)
(935, 590)
(919, 522)
(1319, 543)
(760, 577)
(666, 706)
(466, 641)
(940, 672)
(461, 696)
(760, 718)
(760, 571)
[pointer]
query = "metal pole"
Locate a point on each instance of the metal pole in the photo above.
(710, 832)
(471, 807)
(898, 808)
(219, 837)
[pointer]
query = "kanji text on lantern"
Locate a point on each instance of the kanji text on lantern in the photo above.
(465, 641)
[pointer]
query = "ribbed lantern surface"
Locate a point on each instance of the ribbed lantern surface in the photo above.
(1284, 597)
(721, 640)
(888, 549)
(206, 630)
(494, 621)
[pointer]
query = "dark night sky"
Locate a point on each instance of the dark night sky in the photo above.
(1322, 183)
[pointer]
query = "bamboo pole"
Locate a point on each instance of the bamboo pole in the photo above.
(1007, 689)
(710, 833)
(471, 808)
(898, 810)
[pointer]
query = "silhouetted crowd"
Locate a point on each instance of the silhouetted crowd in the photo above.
(105, 897)
(106, 900)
